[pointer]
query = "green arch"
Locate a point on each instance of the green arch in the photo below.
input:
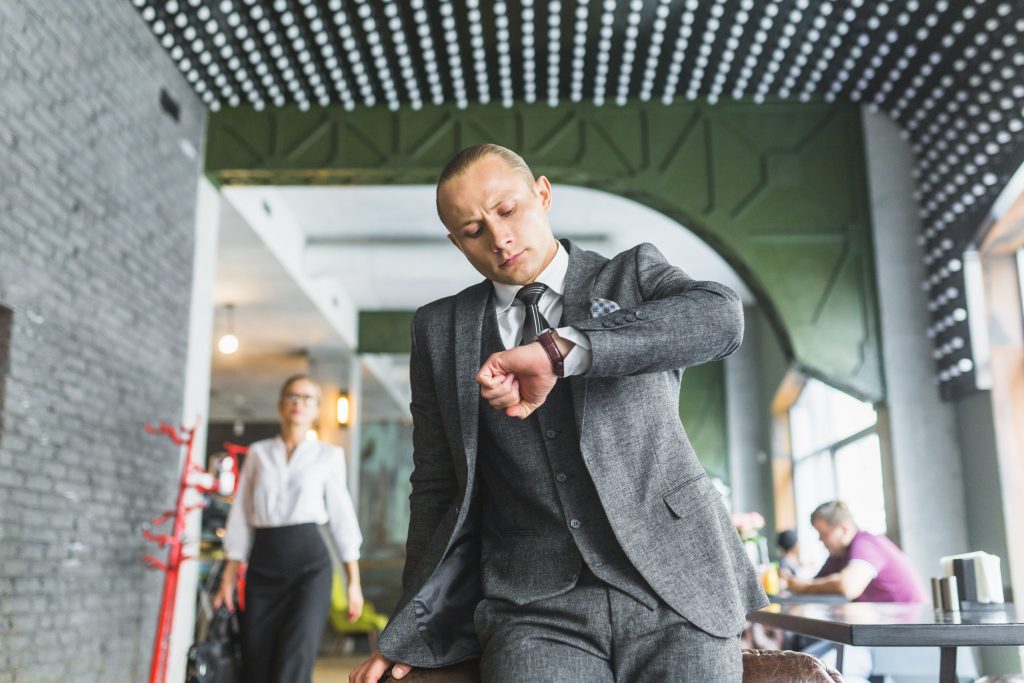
(779, 189)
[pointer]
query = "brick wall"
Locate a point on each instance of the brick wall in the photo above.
(96, 218)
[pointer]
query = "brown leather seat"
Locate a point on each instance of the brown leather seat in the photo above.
(759, 666)
(778, 666)
(467, 672)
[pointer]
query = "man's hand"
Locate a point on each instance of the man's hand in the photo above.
(373, 668)
(797, 585)
(517, 381)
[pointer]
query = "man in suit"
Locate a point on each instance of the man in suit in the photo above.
(561, 527)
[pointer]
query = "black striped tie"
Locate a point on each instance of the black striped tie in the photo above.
(535, 322)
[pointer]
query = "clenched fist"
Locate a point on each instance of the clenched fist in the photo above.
(519, 380)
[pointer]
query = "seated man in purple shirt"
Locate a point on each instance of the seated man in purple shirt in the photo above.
(862, 566)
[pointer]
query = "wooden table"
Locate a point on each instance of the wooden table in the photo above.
(877, 624)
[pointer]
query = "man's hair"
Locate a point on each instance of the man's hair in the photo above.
(295, 378)
(465, 158)
(833, 513)
(787, 540)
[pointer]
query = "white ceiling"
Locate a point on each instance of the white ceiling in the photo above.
(381, 248)
(388, 250)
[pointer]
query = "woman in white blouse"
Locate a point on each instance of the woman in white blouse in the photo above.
(289, 487)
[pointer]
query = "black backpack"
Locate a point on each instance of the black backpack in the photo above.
(218, 658)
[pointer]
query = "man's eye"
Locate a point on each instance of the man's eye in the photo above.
(507, 212)
(475, 232)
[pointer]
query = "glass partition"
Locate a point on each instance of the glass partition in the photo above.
(836, 454)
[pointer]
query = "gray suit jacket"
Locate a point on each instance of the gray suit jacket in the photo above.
(665, 513)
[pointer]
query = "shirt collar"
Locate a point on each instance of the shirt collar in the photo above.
(553, 276)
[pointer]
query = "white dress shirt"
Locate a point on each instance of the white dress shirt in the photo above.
(274, 491)
(512, 313)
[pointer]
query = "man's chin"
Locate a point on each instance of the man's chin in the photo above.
(515, 275)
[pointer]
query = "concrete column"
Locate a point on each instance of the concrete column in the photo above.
(337, 373)
(925, 456)
(195, 411)
(748, 458)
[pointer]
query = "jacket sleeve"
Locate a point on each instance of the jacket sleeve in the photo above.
(680, 323)
(434, 485)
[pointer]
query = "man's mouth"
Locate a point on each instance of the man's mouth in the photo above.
(511, 260)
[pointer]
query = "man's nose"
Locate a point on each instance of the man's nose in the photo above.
(501, 236)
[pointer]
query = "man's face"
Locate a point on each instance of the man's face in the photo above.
(499, 220)
(835, 538)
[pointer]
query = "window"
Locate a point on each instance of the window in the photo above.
(836, 455)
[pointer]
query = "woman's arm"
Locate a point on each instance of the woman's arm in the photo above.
(237, 536)
(354, 589)
(226, 593)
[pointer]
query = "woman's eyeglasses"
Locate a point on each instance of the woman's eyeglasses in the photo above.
(304, 399)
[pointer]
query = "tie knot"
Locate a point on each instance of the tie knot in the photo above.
(530, 294)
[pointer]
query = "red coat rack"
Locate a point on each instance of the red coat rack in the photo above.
(192, 477)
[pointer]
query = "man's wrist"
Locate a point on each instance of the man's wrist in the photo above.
(548, 341)
(564, 345)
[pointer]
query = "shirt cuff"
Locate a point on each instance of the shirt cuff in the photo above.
(578, 360)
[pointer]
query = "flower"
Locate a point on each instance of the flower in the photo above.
(748, 524)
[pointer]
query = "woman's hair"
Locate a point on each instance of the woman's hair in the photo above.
(833, 513)
(295, 378)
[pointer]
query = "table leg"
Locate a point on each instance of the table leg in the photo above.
(947, 665)
(839, 657)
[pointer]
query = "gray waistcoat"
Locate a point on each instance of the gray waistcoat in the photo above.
(541, 515)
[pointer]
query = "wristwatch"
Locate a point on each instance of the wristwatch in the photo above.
(547, 342)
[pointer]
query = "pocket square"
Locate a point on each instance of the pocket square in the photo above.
(601, 307)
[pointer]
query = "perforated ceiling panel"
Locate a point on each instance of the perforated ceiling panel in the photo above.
(950, 73)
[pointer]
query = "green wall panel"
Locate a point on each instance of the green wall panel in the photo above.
(702, 410)
(385, 331)
(778, 189)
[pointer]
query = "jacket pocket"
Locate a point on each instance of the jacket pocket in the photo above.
(689, 497)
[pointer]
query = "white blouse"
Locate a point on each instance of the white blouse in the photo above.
(274, 491)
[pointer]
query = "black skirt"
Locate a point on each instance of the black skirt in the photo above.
(287, 599)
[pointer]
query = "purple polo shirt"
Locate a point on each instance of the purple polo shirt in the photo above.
(895, 580)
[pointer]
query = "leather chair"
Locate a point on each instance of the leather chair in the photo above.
(759, 666)
(467, 672)
(778, 666)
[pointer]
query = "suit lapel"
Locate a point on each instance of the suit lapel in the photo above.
(470, 307)
(579, 283)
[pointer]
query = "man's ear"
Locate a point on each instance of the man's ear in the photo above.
(451, 238)
(542, 186)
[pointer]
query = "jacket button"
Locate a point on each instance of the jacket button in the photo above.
(575, 523)
(619, 320)
(608, 323)
(631, 317)
(551, 433)
(640, 314)
(562, 477)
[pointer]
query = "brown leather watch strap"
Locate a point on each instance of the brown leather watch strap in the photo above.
(547, 341)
